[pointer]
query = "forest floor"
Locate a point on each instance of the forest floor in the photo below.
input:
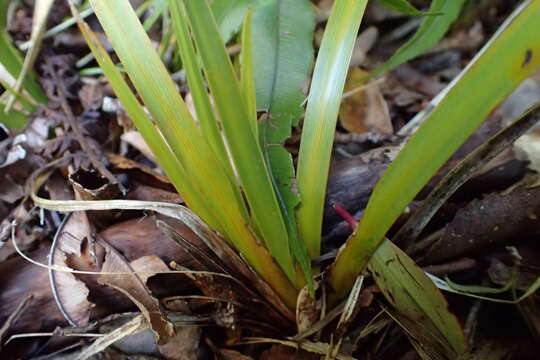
(82, 145)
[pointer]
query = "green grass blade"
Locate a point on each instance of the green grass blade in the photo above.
(170, 164)
(402, 6)
(197, 86)
(509, 57)
(245, 150)
(431, 30)
(155, 87)
(13, 119)
(229, 15)
(12, 61)
(158, 7)
(418, 306)
(285, 30)
(246, 71)
(321, 116)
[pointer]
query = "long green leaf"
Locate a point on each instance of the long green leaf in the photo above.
(402, 6)
(154, 85)
(170, 164)
(197, 86)
(13, 119)
(321, 116)
(245, 150)
(510, 56)
(246, 71)
(229, 15)
(283, 28)
(431, 30)
(418, 306)
(11, 60)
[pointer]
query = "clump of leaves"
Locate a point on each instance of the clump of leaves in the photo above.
(228, 161)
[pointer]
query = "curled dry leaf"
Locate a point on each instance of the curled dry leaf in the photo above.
(134, 287)
(364, 109)
(71, 293)
(90, 185)
(140, 173)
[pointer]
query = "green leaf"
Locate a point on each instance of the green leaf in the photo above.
(321, 117)
(431, 30)
(185, 139)
(283, 28)
(170, 164)
(229, 15)
(197, 85)
(246, 71)
(509, 57)
(418, 306)
(11, 60)
(245, 150)
(402, 6)
(14, 119)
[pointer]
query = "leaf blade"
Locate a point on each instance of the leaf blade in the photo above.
(431, 30)
(321, 117)
(455, 116)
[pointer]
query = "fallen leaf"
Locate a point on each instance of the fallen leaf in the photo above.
(134, 287)
(135, 139)
(72, 293)
(364, 110)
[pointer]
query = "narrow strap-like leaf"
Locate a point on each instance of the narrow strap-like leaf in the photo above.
(508, 58)
(321, 116)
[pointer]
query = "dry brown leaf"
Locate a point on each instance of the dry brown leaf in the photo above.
(308, 309)
(72, 293)
(364, 110)
(134, 287)
(140, 173)
(135, 139)
(363, 44)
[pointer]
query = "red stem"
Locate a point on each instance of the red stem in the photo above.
(346, 215)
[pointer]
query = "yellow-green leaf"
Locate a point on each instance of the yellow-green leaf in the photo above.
(509, 57)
